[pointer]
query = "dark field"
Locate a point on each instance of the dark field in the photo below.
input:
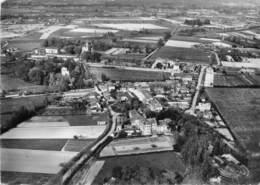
(191, 55)
(162, 161)
(77, 145)
(13, 104)
(34, 144)
(236, 80)
(240, 108)
(118, 74)
(9, 83)
(17, 178)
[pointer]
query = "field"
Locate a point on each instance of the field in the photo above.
(131, 26)
(180, 44)
(236, 80)
(191, 55)
(53, 132)
(162, 161)
(77, 145)
(240, 109)
(34, 144)
(33, 161)
(16, 178)
(137, 146)
(120, 74)
(9, 83)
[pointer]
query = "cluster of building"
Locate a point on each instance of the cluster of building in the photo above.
(140, 125)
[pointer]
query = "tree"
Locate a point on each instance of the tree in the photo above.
(104, 78)
(36, 75)
(160, 43)
(167, 35)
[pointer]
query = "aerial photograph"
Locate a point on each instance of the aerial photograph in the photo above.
(130, 92)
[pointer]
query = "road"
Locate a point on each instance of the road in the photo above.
(217, 58)
(195, 98)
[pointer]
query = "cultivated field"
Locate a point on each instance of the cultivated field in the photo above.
(180, 44)
(131, 26)
(25, 178)
(240, 108)
(33, 161)
(236, 80)
(77, 145)
(53, 132)
(120, 74)
(34, 144)
(191, 55)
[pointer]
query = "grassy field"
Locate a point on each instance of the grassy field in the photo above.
(161, 161)
(34, 144)
(240, 108)
(8, 83)
(191, 55)
(16, 178)
(118, 74)
(236, 80)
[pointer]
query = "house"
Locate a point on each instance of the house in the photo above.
(51, 50)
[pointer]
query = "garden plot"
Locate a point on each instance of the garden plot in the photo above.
(131, 26)
(180, 44)
(54, 132)
(34, 161)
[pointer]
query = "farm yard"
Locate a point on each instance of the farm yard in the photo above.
(121, 74)
(239, 108)
(168, 161)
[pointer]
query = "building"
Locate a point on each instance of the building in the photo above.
(51, 50)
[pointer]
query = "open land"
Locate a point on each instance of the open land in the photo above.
(131, 26)
(54, 132)
(236, 80)
(25, 178)
(240, 108)
(120, 74)
(33, 161)
(137, 146)
(192, 55)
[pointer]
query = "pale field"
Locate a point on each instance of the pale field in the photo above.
(140, 40)
(155, 38)
(180, 44)
(93, 171)
(41, 124)
(47, 118)
(208, 39)
(93, 30)
(135, 146)
(34, 161)
(54, 132)
(18, 30)
(46, 32)
(130, 26)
